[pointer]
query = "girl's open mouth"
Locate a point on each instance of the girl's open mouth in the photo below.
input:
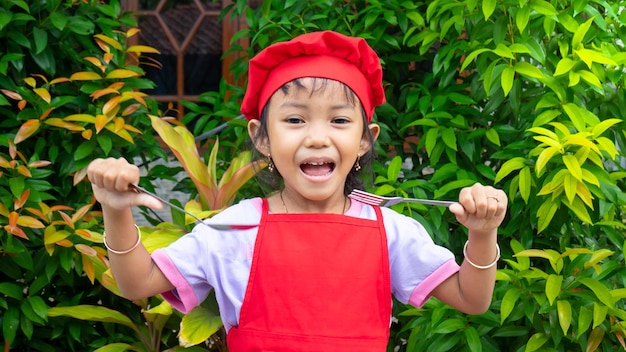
(317, 168)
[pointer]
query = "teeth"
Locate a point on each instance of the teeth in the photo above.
(318, 163)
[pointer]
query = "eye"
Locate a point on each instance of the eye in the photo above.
(294, 119)
(341, 120)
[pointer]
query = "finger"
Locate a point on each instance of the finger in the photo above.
(149, 201)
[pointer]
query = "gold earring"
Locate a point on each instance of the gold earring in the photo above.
(357, 166)
(270, 163)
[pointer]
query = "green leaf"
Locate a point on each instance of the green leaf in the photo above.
(449, 137)
(521, 18)
(5, 18)
(553, 287)
(509, 302)
(604, 125)
(488, 7)
(590, 78)
(576, 115)
(510, 166)
(564, 66)
(526, 69)
(595, 339)
(430, 139)
(564, 310)
(197, 326)
(450, 326)
(585, 316)
(8, 289)
(84, 150)
(493, 136)
(92, 313)
(535, 342)
(525, 183)
(10, 323)
(601, 291)
(394, 168)
(506, 80)
(599, 314)
(471, 56)
(59, 20)
(115, 347)
(580, 33)
(573, 166)
(41, 40)
(544, 8)
(473, 339)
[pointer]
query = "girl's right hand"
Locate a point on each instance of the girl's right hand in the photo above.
(110, 180)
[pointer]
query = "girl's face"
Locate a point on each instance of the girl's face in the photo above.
(315, 134)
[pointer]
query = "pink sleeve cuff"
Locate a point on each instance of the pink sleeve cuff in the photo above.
(423, 291)
(182, 297)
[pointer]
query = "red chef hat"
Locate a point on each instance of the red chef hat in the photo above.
(324, 54)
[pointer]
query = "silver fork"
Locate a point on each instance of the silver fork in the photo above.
(214, 225)
(373, 199)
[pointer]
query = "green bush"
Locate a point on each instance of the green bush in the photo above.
(69, 94)
(528, 96)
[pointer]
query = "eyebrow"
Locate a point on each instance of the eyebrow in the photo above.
(295, 104)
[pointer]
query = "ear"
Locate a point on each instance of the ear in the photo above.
(261, 144)
(365, 145)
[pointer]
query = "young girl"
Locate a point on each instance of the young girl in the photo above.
(318, 272)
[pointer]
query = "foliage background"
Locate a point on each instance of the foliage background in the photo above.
(526, 95)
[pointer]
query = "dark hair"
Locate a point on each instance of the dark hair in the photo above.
(274, 179)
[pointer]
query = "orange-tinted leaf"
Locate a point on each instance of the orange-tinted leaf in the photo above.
(93, 60)
(87, 134)
(19, 203)
(51, 236)
(22, 104)
(11, 94)
(132, 129)
(45, 114)
(60, 207)
(138, 96)
(30, 81)
(60, 80)
(100, 123)
(119, 123)
(27, 129)
(85, 76)
(4, 211)
(131, 32)
(43, 94)
(130, 109)
(23, 170)
(12, 150)
(37, 212)
(81, 118)
(13, 217)
(111, 105)
(29, 221)
(116, 85)
(21, 156)
(16, 231)
(122, 133)
(90, 235)
(4, 163)
(102, 92)
(85, 249)
(66, 218)
(122, 73)
(107, 58)
(88, 267)
(57, 122)
(39, 163)
(65, 243)
(142, 49)
(80, 213)
(227, 191)
(110, 41)
(79, 176)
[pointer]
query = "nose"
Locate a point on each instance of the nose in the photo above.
(318, 135)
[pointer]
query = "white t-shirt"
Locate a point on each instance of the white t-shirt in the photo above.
(208, 259)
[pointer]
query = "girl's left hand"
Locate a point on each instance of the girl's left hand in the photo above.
(480, 208)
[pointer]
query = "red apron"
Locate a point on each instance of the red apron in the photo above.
(318, 282)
